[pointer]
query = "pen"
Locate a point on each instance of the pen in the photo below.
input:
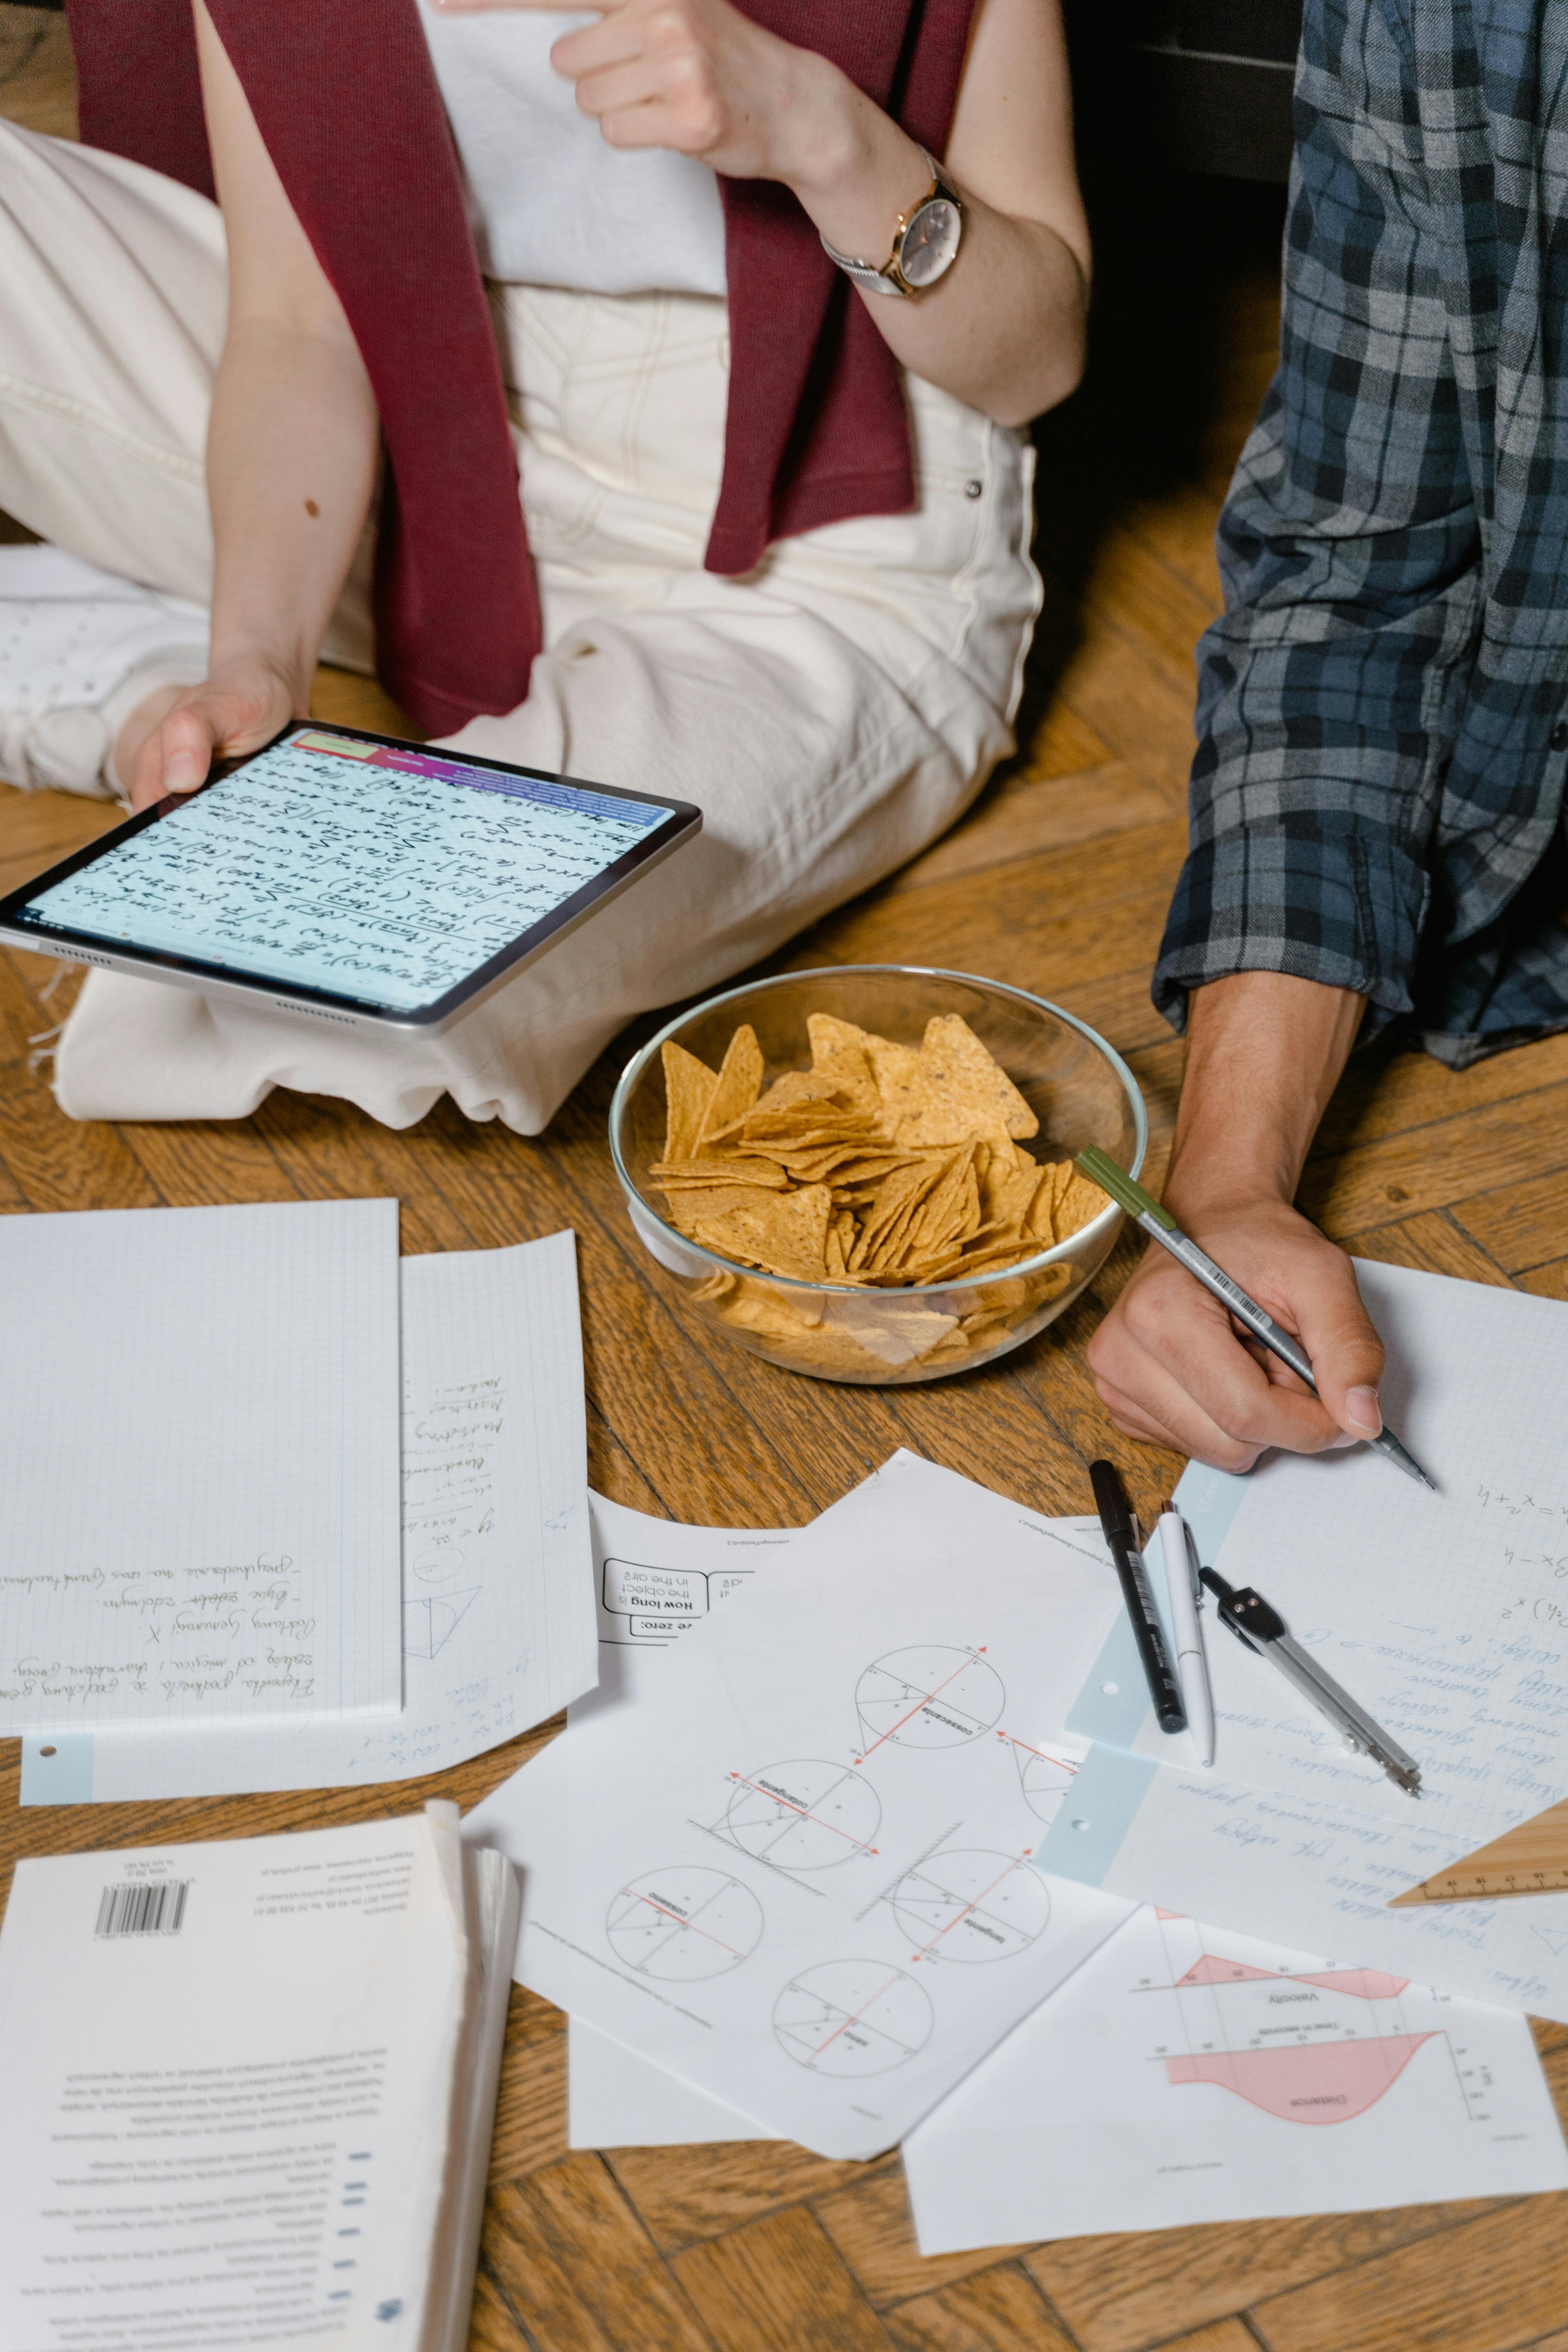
(1158, 1222)
(1121, 1541)
(1252, 1621)
(1182, 1584)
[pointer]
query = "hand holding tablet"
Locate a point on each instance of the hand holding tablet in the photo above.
(351, 876)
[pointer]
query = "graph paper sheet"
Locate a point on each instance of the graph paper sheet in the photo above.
(198, 1517)
(498, 1611)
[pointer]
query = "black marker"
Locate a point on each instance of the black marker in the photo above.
(1121, 1530)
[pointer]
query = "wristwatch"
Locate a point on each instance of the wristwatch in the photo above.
(925, 243)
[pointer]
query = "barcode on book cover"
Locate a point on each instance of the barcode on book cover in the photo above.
(154, 1910)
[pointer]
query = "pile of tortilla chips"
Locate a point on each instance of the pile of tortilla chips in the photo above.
(880, 1167)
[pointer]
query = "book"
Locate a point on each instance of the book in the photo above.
(249, 2089)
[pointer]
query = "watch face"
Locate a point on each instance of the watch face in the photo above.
(931, 242)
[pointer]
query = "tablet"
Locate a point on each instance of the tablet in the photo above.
(350, 875)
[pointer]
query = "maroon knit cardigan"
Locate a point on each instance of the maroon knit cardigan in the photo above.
(345, 98)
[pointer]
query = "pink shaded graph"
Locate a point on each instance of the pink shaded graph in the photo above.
(1366, 1984)
(1322, 2083)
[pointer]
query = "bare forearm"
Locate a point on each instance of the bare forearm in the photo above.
(1003, 329)
(1266, 1051)
(292, 453)
(1264, 1054)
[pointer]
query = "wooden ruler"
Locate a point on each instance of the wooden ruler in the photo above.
(1530, 1860)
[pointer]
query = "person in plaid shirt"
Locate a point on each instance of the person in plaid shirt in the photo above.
(1382, 710)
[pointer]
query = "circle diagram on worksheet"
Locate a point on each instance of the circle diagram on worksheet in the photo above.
(684, 1923)
(1043, 1779)
(850, 2018)
(970, 1904)
(803, 1814)
(931, 1697)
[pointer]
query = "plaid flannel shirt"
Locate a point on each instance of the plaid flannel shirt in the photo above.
(1383, 708)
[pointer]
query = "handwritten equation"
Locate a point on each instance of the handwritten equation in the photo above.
(369, 881)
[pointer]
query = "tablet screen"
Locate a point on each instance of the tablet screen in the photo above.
(367, 870)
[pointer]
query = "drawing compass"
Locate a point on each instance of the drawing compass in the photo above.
(1263, 1630)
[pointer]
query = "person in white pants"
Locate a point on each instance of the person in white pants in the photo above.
(830, 712)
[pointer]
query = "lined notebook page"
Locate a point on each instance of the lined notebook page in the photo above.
(198, 1515)
(498, 1613)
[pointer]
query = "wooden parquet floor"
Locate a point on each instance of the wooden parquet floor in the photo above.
(1058, 880)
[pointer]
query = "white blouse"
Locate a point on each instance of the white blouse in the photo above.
(550, 204)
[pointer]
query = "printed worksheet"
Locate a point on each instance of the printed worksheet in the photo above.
(1188, 2075)
(1311, 1873)
(497, 1593)
(796, 1872)
(1445, 1614)
(1182, 2074)
(1070, 2126)
(198, 1519)
(654, 1579)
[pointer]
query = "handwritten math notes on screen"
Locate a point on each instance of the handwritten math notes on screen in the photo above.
(328, 864)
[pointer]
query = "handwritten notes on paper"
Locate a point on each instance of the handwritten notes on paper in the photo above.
(198, 1519)
(1445, 1614)
(385, 874)
(1435, 1610)
(187, 1633)
(498, 1599)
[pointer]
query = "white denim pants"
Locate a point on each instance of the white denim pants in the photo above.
(830, 713)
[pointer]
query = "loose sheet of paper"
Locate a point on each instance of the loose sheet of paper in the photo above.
(1446, 1614)
(796, 1871)
(1311, 1873)
(228, 2071)
(1189, 2075)
(498, 1611)
(198, 1521)
(655, 1580)
(1467, 1668)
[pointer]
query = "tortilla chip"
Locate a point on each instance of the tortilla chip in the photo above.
(692, 1175)
(842, 1083)
(737, 1087)
(688, 1087)
(882, 1167)
(775, 1314)
(829, 1035)
(955, 1093)
(1078, 1202)
(897, 1198)
(781, 1233)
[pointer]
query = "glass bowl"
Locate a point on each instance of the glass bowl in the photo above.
(1079, 1087)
